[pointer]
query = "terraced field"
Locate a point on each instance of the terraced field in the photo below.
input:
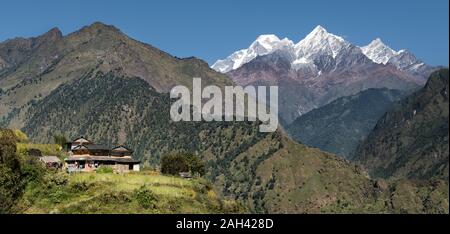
(144, 192)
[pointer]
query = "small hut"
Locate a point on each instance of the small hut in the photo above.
(51, 161)
(185, 175)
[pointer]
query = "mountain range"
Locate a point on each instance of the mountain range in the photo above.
(321, 68)
(317, 44)
(102, 84)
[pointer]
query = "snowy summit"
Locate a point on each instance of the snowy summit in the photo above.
(319, 42)
(378, 52)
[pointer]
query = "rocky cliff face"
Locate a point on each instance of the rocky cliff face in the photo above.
(16, 51)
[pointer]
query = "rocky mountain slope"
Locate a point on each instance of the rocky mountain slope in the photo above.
(339, 126)
(411, 140)
(36, 66)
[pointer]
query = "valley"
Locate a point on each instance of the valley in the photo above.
(99, 83)
(341, 125)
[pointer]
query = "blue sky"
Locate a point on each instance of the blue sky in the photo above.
(213, 29)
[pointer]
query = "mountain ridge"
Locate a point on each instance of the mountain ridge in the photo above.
(97, 47)
(412, 139)
(320, 41)
(339, 126)
(321, 68)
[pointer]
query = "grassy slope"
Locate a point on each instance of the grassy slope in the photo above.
(46, 149)
(299, 179)
(273, 174)
(113, 193)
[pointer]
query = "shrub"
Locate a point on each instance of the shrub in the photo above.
(173, 164)
(145, 197)
(55, 179)
(32, 170)
(196, 165)
(234, 207)
(173, 205)
(104, 169)
(60, 139)
(8, 155)
(10, 189)
(176, 162)
(58, 195)
(202, 186)
(80, 186)
(34, 152)
(11, 184)
(21, 136)
(115, 197)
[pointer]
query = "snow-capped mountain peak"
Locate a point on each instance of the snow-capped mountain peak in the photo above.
(379, 52)
(268, 43)
(319, 41)
(319, 33)
(264, 44)
(318, 29)
(318, 52)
